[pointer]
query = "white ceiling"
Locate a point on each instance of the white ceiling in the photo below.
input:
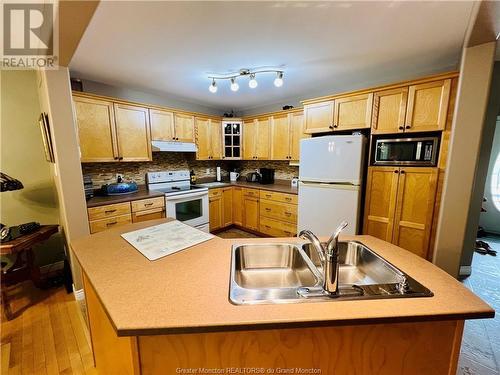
(324, 47)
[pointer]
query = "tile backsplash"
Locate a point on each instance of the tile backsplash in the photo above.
(105, 173)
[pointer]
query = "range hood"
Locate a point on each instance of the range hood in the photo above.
(173, 146)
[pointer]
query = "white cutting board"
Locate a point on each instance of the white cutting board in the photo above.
(164, 239)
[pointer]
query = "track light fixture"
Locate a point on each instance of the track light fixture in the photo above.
(252, 83)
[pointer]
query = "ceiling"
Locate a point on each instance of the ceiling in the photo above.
(323, 47)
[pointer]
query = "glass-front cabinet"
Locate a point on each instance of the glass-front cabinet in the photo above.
(232, 137)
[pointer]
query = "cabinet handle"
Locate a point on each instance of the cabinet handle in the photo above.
(112, 223)
(116, 158)
(402, 172)
(288, 213)
(109, 211)
(120, 158)
(148, 204)
(288, 199)
(268, 209)
(396, 171)
(287, 232)
(331, 126)
(401, 128)
(267, 226)
(407, 126)
(335, 126)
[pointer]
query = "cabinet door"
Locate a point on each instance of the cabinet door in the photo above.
(380, 202)
(414, 209)
(96, 130)
(227, 204)
(237, 206)
(215, 212)
(249, 138)
(251, 212)
(297, 131)
(184, 128)
(203, 138)
(263, 139)
(133, 133)
(353, 112)
(389, 110)
(427, 106)
(280, 137)
(216, 139)
(162, 125)
(319, 117)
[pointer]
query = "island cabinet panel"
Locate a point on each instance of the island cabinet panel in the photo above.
(113, 355)
(414, 209)
(162, 125)
(237, 205)
(319, 117)
(429, 348)
(133, 132)
(184, 127)
(389, 111)
(353, 112)
(427, 106)
(399, 206)
(96, 129)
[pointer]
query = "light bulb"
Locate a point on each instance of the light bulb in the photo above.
(253, 82)
(213, 87)
(278, 81)
(234, 85)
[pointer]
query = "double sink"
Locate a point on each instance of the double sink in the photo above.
(279, 272)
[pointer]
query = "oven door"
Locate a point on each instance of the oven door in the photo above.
(190, 208)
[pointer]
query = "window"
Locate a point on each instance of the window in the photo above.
(495, 183)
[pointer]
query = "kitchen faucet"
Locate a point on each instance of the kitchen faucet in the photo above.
(328, 256)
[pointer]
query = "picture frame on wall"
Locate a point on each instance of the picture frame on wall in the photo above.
(43, 122)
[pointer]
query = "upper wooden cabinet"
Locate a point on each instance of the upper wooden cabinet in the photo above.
(162, 125)
(133, 133)
(112, 132)
(319, 117)
(297, 131)
(96, 130)
(427, 106)
(286, 132)
(208, 138)
(389, 110)
(184, 127)
(353, 112)
(256, 139)
(416, 108)
(399, 205)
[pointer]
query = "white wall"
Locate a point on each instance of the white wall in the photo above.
(490, 220)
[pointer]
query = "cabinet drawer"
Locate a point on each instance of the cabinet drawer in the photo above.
(278, 210)
(152, 214)
(279, 197)
(214, 193)
(147, 204)
(277, 228)
(251, 192)
(110, 210)
(100, 225)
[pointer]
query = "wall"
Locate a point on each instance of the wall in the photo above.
(160, 99)
(465, 142)
(103, 173)
(22, 157)
(490, 220)
(55, 98)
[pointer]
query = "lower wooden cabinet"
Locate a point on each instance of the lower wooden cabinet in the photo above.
(215, 209)
(227, 206)
(152, 214)
(399, 206)
(251, 212)
(237, 205)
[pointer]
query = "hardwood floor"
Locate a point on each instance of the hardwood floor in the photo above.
(480, 352)
(49, 337)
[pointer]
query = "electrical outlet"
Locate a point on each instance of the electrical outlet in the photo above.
(119, 175)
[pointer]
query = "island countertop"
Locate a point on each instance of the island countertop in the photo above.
(188, 291)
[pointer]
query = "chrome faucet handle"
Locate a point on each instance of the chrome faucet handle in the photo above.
(308, 235)
(332, 243)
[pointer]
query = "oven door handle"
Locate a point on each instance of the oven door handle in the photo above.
(188, 195)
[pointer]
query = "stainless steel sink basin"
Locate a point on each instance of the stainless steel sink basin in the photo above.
(275, 272)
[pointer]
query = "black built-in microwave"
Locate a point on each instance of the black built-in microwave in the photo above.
(411, 151)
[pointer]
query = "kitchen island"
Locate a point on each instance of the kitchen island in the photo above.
(173, 315)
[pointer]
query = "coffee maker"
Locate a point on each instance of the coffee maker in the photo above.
(266, 176)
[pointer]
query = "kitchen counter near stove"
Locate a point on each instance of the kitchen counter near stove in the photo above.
(142, 193)
(280, 186)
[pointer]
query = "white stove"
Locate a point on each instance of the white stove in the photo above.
(183, 201)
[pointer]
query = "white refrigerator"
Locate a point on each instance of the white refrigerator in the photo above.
(330, 176)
